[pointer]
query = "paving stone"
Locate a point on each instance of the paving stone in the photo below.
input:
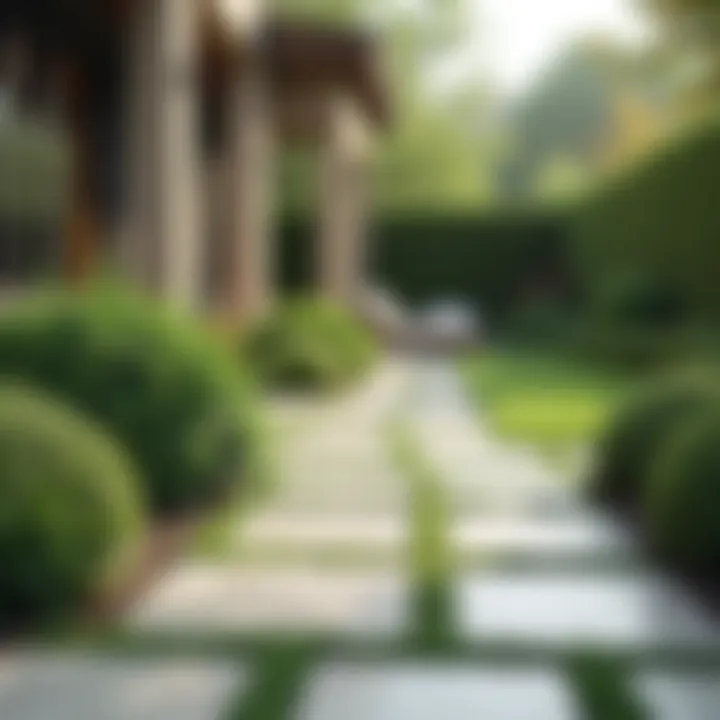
(337, 532)
(426, 692)
(560, 610)
(574, 536)
(219, 599)
(680, 695)
(86, 687)
(340, 500)
(342, 465)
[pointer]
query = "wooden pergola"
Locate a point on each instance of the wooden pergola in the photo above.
(170, 110)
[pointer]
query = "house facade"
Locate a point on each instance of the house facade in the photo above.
(176, 112)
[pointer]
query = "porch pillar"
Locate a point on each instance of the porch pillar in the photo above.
(342, 211)
(163, 227)
(250, 181)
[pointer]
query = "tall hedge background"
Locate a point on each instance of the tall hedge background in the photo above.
(661, 219)
(487, 260)
(658, 221)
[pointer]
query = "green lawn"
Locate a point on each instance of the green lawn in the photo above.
(542, 399)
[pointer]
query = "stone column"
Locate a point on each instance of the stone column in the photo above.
(342, 212)
(252, 139)
(163, 228)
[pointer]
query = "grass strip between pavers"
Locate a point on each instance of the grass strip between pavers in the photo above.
(279, 677)
(431, 557)
(602, 688)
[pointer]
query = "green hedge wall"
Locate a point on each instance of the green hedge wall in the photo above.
(655, 226)
(488, 260)
(660, 221)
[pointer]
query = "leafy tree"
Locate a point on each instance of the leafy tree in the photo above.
(561, 180)
(692, 31)
(597, 107)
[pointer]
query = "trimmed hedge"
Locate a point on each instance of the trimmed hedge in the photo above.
(636, 300)
(309, 343)
(641, 429)
(173, 398)
(683, 496)
(491, 261)
(634, 348)
(659, 221)
(70, 510)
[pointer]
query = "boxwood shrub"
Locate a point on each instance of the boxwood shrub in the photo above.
(169, 393)
(309, 343)
(641, 429)
(71, 513)
(683, 496)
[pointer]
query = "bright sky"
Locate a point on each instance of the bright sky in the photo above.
(517, 38)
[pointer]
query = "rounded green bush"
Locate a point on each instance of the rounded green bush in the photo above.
(641, 429)
(172, 396)
(70, 508)
(682, 500)
(309, 343)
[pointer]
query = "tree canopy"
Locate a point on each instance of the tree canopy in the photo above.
(692, 29)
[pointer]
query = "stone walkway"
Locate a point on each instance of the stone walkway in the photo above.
(326, 553)
(507, 502)
(540, 577)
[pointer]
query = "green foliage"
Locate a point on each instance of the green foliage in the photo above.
(603, 689)
(165, 389)
(543, 398)
(431, 161)
(309, 343)
(545, 321)
(639, 301)
(641, 429)
(562, 118)
(646, 348)
(658, 222)
(70, 516)
(433, 153)
(683, 495)
(646, 251)
(431, 558)
(561, 180)
(327, 11)
(626, 346)
(499, 263)
(495, 262)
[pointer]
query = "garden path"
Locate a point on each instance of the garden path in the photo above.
(307, 612)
